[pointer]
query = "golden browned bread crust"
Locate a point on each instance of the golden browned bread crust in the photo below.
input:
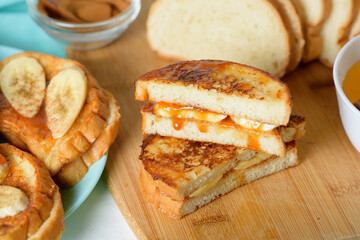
(44, 215)
(213, 75)
(173, 160)
(236, 88)
(32, 134)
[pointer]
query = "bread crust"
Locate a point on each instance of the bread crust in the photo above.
(44, 215)
(34, 135)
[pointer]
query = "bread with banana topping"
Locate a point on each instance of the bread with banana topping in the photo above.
(72, 112)
(30, 203)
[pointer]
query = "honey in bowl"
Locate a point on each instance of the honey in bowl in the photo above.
(351, 84)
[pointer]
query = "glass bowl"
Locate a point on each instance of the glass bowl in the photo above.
(86, 36)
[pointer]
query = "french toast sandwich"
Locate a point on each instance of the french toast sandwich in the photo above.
(210, 127)
(216, 101)
(178, 176)
(65, 118)
(30, 203)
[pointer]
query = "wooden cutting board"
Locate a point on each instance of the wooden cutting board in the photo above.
(318, 199)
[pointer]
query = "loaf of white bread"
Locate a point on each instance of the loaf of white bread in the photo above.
(273, 35)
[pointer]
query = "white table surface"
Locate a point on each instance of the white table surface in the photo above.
(97, 218)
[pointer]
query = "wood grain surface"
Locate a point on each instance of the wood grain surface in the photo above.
(320, 199)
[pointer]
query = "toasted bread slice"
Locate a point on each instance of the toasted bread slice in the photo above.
(248, 32)
(33, 134)
(315, 12)
(219, 86)
(226, 132)
(43, 216)
(336, 29)
(179, 176)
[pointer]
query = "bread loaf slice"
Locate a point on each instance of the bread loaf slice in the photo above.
(177, 189)
(315, 12)
(336, 29)
(293, 24)
(223, 87)
(251, 32)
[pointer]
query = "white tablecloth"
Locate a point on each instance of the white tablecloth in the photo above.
(97, 218)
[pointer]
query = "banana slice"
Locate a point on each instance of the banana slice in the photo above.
(4, 168)
(12, 201)
(65, 97)
(23, 84)
(255, 125)
(163, 109)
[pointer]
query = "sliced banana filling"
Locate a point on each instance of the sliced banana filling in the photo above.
(241, 165)
(259, 157)
(164, 109)
(170, 110)
(251, 124)
(12, 201)
(205, 188)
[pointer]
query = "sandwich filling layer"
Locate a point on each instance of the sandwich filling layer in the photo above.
(178, 113)
(241, 165)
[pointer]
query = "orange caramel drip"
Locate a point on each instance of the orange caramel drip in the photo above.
(178, 123)
(253, 141)
(175, 110)
(203, 127)
(229, 123)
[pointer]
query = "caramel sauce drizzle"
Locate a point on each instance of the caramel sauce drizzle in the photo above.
(174, 111)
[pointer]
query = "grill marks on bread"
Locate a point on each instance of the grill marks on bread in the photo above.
(221, 76)
(169, 159)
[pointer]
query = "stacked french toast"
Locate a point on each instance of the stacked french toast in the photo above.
(54, 109)
(210, 127)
